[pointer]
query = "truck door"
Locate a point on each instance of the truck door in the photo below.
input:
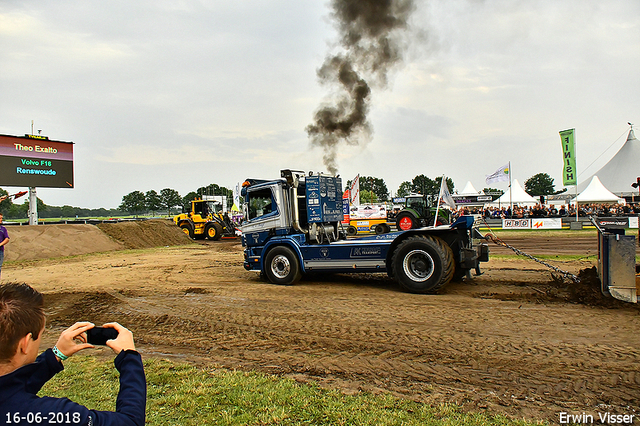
(262, 213)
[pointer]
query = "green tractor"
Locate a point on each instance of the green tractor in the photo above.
(418, 211)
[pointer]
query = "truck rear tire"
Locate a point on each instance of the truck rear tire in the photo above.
(213, 231)
(281, 266)
(423, 264)
(406, 221)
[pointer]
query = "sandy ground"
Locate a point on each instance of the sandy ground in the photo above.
(514, 340)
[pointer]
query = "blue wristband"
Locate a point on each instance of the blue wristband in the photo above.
(59, 354)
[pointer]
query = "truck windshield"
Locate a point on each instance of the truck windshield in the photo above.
(261, 203)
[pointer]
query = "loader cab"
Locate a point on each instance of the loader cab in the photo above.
(199, 207)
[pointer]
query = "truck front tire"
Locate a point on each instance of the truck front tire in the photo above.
(423, 264)
(282, 266)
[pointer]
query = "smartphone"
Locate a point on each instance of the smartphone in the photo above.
(100, 335)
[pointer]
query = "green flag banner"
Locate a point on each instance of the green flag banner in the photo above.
(569, 172)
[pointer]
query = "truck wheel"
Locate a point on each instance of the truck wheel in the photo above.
(187, 229)
(406, 221)
(213, 231)
(281, 266)
(352, 230)
(423, 264)
(381, 228)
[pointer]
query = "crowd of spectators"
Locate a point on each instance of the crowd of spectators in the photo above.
(550, 210)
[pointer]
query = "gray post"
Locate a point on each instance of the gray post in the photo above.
(33, 206)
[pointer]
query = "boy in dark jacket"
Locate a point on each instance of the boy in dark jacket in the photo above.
(22, 375)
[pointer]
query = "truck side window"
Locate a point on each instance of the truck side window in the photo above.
(261, 203)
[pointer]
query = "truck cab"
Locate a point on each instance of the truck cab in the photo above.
(293, 226)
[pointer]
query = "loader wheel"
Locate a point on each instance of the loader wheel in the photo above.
(281, 266)
(187, 229)
(406, 221)
(423, 264)
(213, 231)
(352, 230)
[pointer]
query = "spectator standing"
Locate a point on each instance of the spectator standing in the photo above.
(4, 239)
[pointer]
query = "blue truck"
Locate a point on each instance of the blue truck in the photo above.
(293, 226)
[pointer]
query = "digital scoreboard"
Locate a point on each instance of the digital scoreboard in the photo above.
(35, 161)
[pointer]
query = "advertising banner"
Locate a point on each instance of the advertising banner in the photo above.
(569, 172)
(613, 222)
(516, 224)
(555, 223)
(35, 161)
(368, 212)
(472, 199)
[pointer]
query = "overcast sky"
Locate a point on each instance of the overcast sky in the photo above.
(180, 94)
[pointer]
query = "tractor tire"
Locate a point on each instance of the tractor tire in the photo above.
(442, 221)
(213, 231)
(187, 229)
(423, 264)
(352, 231)
(406, 221)
(281, 266)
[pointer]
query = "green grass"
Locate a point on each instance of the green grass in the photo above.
(181, 394)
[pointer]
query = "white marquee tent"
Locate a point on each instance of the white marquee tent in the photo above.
(622, 170)
(470, 190)
(597, 193)
(520, 197)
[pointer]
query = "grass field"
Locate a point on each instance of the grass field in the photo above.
(181, 394)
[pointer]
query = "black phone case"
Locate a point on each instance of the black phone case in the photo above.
(100, 335)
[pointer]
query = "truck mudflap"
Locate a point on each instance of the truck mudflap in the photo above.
(471, 257)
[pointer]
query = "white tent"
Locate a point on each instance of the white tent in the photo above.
(597, 193)
(470, 190)
(520, 197)
(622, 170)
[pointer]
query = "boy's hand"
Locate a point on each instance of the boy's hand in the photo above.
(123, 342)
(68, 340)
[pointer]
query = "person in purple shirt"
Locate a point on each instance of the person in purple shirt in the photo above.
(4, 239)
(23, 372)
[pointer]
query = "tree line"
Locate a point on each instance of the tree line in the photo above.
(137, 202)
(372, 190)
(12, 210)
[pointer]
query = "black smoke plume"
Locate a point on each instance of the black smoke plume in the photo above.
(371, 40)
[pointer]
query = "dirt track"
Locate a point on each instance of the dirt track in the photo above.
(511, 341)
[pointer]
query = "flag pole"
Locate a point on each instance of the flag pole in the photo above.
(576, 159)
(510, 192)
(435, 219)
